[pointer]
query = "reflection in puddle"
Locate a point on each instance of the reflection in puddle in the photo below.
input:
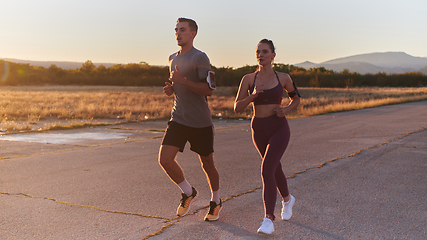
(61, 138)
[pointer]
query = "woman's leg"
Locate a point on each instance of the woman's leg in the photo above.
(271, 170)
(281, 182)
(282, 137)
(271, 144)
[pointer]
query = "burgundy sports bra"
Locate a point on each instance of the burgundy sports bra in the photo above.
(269, 96)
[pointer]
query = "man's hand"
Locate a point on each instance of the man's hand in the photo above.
(168, 89)
(177, 77)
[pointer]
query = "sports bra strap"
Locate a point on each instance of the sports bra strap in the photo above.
(268, 96)
(277, 76)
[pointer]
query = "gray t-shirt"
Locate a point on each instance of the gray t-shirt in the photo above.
(191, 109)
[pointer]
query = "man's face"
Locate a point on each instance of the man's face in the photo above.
(183, 33)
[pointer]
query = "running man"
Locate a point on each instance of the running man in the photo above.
(191, 118)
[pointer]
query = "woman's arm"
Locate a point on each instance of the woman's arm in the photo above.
(242, 98)
(295, 100)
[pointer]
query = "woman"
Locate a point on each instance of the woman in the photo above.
(270, 129)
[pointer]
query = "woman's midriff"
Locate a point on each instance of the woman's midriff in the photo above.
(262, 111)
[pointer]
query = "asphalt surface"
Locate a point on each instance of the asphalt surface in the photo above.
(355, 175)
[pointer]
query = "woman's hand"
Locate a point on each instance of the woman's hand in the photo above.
(281, 112)
(257, 89)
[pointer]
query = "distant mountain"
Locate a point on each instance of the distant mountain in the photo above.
(306, 65)
(363, 68)
(46, 64)
(424, 70)
(388, 62)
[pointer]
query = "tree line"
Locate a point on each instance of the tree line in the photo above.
(143, 74)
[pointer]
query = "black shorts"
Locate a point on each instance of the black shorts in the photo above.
(201, 139)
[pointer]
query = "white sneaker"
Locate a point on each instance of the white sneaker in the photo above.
(267, 227)
(287, 208)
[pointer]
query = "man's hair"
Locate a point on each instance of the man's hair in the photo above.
(191, 23)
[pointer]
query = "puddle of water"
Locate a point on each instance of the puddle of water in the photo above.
(61, 138)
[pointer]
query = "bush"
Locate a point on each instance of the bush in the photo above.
(142, 74)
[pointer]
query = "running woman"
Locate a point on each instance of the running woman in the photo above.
(191, 118)
(270, 129)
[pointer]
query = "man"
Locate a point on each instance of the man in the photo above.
(191, 118)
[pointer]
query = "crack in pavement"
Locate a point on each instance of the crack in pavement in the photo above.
(358, 152)
(83, 206)
(175, 220)
(161, 230)
(172, 221)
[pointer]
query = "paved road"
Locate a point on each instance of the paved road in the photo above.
(355, 175)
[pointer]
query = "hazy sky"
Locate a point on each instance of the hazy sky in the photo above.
(131, 31)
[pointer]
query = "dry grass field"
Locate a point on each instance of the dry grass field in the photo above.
(22, 108)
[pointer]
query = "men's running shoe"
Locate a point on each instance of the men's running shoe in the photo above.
(214, 210)
(184, 207)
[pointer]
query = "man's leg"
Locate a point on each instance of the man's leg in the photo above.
(167, 161)
(215, 206)
(210, 171)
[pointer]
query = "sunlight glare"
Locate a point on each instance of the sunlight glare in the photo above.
(5, 71)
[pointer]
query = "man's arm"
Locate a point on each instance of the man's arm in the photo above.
(201, 88)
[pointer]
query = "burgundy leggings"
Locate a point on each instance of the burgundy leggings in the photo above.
(271, 137)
